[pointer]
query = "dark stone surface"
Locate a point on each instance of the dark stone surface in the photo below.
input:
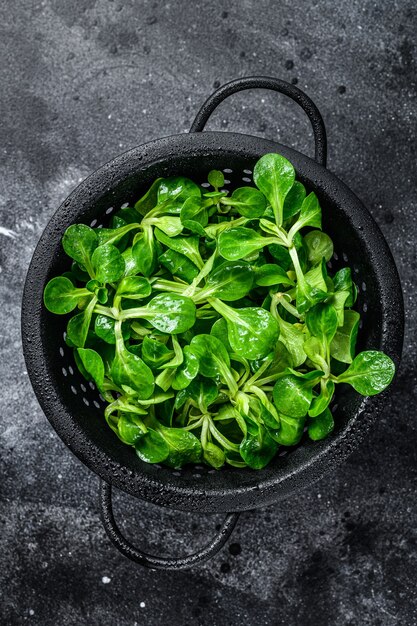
(83, 80)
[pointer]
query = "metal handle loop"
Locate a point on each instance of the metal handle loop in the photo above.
(156, 562)
(275, 84)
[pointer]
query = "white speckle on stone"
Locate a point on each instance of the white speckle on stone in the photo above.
(31, 612)
(59, 475)
(109, 116)
(142, 605)
(7, 232)
(105, 580)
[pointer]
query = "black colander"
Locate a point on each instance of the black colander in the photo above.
(74, 407)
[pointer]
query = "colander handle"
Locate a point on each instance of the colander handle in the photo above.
(275, 84)
(157, 562)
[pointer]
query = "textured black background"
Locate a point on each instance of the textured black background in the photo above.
(83, 80)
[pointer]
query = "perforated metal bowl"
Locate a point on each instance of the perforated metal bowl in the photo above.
(74, 406)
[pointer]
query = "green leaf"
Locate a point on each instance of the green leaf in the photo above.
(176, 190)
(61, 297)
(252, 331)
(131, 266)
(274, 176)
(184, 447)
(281, 255)
(232, 280)
(188, 246)
(79, 242)
(213, 455)
(237, 243)
(152, 447)
(102, 294)
(321, 321)
(169, 312)
(178, 357)
(126, 215)
(310, 215)
(115, 235)
(294, 200)
(104, 328)
(155, 353)
(108, 264)
(203, 391)
(129, 369)
(147, 202)
(270, 274)
(248, 201)
(212, 355)
(290, 431)
(370, 373)
(188, 369)
(321, 426)
(319, 246)
(293, 338)
(322, 401)
(292, 396)
(219, 330)
(93, 365)
(343, 282)
(129, 432)
(213, 359)
(78, 325)
(343, 345)
(311, 288)
(194, 216)
(279, 360)
(258, 450)
(179, 265)
(216, 179)
(144, 251)
(168, 224)
(316, 277)
(316, 351)
(338, 301)
(134, 288)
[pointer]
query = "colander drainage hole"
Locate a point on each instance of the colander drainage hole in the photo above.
(83, 387)
(71, 371)
(61, 351)
(205, 185)
(96, 404)
(109, 210)
(74, 391)
(227, 170)
(247, 171)
(246, 179)
(86, 402)
(93, 223)
(64, 371)
(124, 205)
